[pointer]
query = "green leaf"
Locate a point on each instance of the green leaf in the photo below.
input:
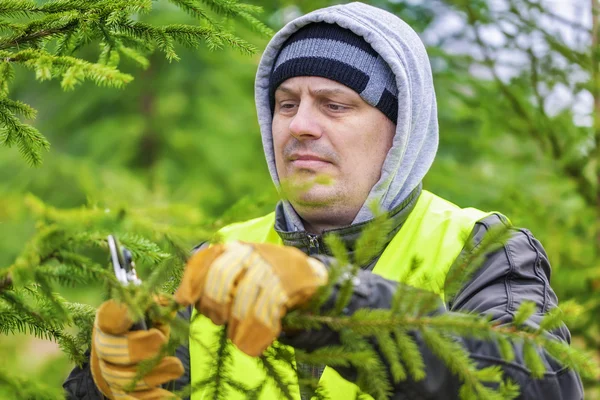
(43, 68)
(525, 310)
(490, 374)
(389, 350)
(506, 349)
(6, 76)
(72, 77)
(410, 354)
(533, 360)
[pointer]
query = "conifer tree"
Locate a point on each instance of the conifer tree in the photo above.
(46, 38)
(54, 31)
(69, 247)
(536, 58)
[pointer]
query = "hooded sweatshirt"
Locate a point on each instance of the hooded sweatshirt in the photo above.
(416, 139)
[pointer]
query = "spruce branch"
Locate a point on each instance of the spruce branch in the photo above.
(221, 367)
(372, 377)
(369, 323)
(338, 269)
(472, 257)
(535, 119)
(146, 366)
(17, 315)
(193, 9)
(269, 365)
(67, 25)
(336, 356)
(413, 314)
(249, 393)
(5, 280)
(17, 8)
(228, 8)
(29, 140)
(6, 75)
(460, 364)
(19, 388)
(371, 242)
(390, 351)
(30, 37)
(410, 354)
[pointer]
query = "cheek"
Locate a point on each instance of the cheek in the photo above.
(369, 149)
(278, 144)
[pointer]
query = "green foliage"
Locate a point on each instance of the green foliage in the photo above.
(410, 354)
(412, 310)
(160, 162)
(547, 179)
(15, 387)
(54, 30)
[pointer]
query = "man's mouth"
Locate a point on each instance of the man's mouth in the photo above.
(308, 161)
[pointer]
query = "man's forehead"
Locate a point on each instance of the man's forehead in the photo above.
(314, 85)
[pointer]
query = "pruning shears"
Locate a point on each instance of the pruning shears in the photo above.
(123, 263)
(124, 267)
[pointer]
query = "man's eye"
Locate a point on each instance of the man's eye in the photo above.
(287, 106)
(336, 107)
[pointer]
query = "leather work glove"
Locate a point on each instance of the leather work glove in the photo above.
(117, 351)
(250, 287)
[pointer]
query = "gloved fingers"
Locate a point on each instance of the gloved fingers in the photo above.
(164, 301)
(250, 288)
(319, 271)
(169, 368)
(113, 318)
(224, 274)
(252, 336)
(130, 348)
(288, 261)
(154, 394)
(280, 255)
(120, 395)
(120, 377)
(100, 382)
(269, 308)
(300, 275)
(165, 329)
(192, 284)
(304, 293)
(257, 330)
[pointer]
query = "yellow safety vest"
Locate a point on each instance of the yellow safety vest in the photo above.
(434, 233)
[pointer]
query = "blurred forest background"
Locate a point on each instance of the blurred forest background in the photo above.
(518, 99)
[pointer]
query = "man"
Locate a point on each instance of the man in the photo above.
(343, 92)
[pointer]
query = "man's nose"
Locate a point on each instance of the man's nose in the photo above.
(305, 124)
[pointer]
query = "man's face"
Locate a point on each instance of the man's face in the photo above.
(323, 128)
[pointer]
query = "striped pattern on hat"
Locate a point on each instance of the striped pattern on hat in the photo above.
(332, 52)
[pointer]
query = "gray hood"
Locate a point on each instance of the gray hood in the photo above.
(416, 139)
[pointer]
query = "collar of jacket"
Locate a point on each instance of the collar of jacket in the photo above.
(313, 245)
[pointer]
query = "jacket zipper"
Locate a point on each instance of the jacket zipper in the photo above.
(313, 244)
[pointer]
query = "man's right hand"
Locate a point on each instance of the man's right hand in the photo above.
(117, 352)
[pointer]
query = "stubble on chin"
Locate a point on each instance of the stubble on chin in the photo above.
(306, 189)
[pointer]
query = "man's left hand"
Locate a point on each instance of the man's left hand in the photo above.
(250, 287)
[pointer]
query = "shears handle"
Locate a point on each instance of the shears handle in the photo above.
(124, 268)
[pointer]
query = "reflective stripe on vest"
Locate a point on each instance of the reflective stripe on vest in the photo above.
(433, 234)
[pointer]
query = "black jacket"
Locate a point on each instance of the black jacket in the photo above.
(517, 272)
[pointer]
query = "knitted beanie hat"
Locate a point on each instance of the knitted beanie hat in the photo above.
(332, 52)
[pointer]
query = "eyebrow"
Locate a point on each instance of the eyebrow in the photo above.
(323, 91)
(327, 91)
